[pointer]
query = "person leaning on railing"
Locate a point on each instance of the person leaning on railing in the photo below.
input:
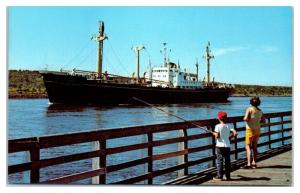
(222, 134)
(253, 117)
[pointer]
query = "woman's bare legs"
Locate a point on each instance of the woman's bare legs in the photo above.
(248, 152)
(254, 148)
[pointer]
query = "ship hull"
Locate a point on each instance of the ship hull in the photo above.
(67, 89)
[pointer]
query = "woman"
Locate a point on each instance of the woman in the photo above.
(253, 118)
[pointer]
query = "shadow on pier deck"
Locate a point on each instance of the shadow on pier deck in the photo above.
(274, 169)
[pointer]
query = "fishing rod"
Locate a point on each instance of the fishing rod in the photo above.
(196, 125)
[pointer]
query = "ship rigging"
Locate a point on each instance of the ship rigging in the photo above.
(165, 84)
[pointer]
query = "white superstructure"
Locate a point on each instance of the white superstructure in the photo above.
(170, 75)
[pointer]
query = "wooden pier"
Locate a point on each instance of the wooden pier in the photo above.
(274, 171)
(277, 134)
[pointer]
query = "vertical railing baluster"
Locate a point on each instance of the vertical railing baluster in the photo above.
(186, 159)
(99, 162)
(282, 128)
(102, 163)
(235, 143)
(181, 147)
(269, 135)
(150, 156)
(96, 162)
(35, 169)
(213, 142)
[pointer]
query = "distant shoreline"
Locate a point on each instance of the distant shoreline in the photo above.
(237, 95)
(46, 97)
(28, 97)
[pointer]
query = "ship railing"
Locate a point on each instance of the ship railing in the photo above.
(193, 148)
(92, 75)
(66, 71)
(218, 85)
(83, 72)
(224, 85)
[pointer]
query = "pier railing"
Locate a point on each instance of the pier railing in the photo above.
(278, 124)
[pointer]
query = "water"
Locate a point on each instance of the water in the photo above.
(35, 117)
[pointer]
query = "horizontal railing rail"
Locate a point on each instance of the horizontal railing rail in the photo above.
(34, 145)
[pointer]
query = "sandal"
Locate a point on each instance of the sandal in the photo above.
(254, 166)
(246, 167)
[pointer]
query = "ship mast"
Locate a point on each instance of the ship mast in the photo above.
(137, 49)
(208, 57)
(164, 51)
(197, 67)
(100, 38)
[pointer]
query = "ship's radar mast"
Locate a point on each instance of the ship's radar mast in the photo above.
(100, 38)
(208, 56)
(197, 67)
(164, 51)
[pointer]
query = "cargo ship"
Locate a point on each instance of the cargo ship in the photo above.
(166, 84)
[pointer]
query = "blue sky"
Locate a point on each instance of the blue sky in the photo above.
(251, 45)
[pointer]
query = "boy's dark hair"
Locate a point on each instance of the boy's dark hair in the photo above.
(255, 101)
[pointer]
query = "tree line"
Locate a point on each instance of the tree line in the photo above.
(251, 90)
(26, 84)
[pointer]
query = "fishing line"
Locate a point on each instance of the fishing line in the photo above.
(194, 124)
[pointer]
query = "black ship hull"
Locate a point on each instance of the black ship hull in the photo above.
(67, 89)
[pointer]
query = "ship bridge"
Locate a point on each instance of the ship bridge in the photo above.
(172, 76)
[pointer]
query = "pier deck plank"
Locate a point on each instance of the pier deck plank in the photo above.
(275, 171)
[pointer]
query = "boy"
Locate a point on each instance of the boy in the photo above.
(222, 134)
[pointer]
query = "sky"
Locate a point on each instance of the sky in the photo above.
(251, 45)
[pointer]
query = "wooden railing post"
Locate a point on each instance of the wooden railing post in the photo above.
(186, 156)
(269, 135)
(182, 146)
(150, 156)
(35, 169)
(236, 155)
(99, 162)
(96, 162)
(213, 142)
(102, 164)
(282, 132)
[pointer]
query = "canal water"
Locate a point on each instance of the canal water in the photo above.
(36, 117)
